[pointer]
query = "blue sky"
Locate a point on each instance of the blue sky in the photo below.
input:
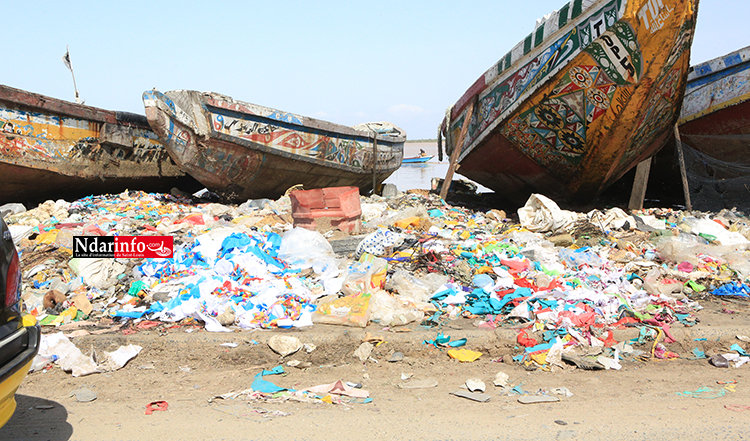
(343, 61)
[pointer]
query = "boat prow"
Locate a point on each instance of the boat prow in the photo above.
(593, 91)
(51, 149)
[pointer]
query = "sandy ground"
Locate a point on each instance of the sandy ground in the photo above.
(640, 401)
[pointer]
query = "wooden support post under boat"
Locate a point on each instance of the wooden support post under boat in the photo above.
(683, 172)
(375, 164)
(638, 193)
(456, 153)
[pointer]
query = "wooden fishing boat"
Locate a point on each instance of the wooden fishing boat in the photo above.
(51, 149)
(595, 89)
(714, 129)
(417, 159)
(716, 106)
(243, 151)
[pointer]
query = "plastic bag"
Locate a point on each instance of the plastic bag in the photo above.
(306, 248)
(739, 261)
(389, 219)
(372, 210)
(100, 273)
(407, 285)
(418, 289)
(576, 258)
(613, 218)
(684, 248)
(434, 281)
(388, 310)
(69, 357)
(365, 275)
(542, 214)
(651, 282)
(707, 227)
(528, 239)
(655, 287)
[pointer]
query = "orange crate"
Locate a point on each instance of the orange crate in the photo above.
(324, 209)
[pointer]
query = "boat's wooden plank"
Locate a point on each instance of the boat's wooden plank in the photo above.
(638, 193)
(456, 153)
(683, 172)
(716, 90)
(55, 106)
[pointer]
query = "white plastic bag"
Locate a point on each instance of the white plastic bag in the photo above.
(100, 273)
(542, 214)
(388, 310)
(722, 235)
(409, 286)
(306, 249)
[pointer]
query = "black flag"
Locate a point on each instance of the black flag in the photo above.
(66, 59)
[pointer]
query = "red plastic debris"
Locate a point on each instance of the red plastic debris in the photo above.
(524, 339)
(147, 324)
(610, 340)
(156, 405)
(93, 230)
(195, 219)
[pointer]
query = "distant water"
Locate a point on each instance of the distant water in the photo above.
(411, 176)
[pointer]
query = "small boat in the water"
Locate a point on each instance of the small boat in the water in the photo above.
(50, 148)
(715, 131)
(242, 151)
(417, 159)
(594, 90)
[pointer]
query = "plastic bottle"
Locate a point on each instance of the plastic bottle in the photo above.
(41, 361)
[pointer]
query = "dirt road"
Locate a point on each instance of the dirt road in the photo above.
(187, 369)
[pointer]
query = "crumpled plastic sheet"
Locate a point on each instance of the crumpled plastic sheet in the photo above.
(542, 214)
(72, 360)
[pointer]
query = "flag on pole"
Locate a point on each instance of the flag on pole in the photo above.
(66, 59)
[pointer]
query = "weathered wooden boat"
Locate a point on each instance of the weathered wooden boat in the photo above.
(243, 151)
(417, 159)
(594, 90)
(50, 148)
(714, 128)
(716, 107)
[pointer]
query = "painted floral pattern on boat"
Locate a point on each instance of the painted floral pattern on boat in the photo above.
(553, 132)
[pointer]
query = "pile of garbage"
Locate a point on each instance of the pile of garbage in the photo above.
(563, 279)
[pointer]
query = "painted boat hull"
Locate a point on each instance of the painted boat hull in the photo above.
(715, 118)
(244, 151)
(417, 160)
(715, 133)
(51, 149)
(592, 92)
